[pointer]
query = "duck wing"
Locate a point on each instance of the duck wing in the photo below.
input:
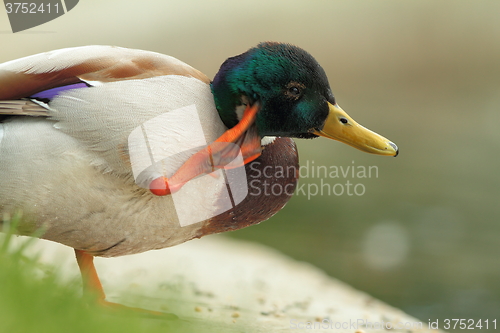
(97, 63)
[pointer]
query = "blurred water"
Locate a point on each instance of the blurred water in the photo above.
(424, 235)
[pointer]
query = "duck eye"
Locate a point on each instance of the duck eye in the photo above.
(343, 120)
(294, 91)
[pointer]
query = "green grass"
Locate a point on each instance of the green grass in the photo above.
(33, 299)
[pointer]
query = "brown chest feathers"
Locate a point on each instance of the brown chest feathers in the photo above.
(271, 181)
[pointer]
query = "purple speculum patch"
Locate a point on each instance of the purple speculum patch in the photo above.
(51, 93)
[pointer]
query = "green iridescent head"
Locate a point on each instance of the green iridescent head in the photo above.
(289, 84)
(294, 97)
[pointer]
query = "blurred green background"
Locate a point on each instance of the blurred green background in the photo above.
(424, 237)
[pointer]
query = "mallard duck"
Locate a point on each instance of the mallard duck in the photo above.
(114, 151)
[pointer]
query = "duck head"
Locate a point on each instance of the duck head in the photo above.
(293, 97)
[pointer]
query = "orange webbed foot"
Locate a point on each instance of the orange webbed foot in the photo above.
(92, 285)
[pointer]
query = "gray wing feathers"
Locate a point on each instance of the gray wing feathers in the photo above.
(22, 108)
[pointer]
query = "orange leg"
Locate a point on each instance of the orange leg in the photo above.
(92, 284)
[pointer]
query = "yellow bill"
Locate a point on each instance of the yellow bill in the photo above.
(341, 127)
